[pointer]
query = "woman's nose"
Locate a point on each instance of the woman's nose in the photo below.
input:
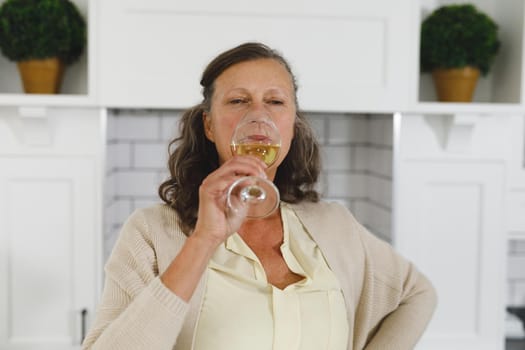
(258, 107)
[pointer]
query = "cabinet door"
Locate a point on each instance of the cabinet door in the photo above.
(450, 225)
(450, 182)
(347, 55)
(47, 245)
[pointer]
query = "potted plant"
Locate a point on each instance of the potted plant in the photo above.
(458, 42)
(42, 36)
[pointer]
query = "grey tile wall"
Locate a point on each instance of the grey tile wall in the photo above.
(137, 152)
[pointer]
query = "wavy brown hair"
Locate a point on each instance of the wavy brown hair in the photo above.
(192, 156)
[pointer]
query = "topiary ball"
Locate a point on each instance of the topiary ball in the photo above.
(38, 29)
(455, 36)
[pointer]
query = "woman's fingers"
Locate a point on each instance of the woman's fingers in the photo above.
(222, 178)
(214, 217)
(245, 166)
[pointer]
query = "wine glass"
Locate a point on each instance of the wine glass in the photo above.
(256, 135)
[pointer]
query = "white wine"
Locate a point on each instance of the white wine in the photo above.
(267, 153)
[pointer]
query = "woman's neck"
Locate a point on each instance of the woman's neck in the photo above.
(263, 232)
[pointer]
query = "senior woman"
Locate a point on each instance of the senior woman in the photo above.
(192, 274)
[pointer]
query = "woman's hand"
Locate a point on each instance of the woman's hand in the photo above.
(215, 221)
(214, 224)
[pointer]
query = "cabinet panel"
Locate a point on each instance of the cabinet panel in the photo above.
(449, 221)
(48, 226)
(347, 55)
(39, 271)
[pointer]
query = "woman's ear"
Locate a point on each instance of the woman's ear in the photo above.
(206, 121)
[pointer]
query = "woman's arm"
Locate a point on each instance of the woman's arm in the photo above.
(136, 310)
(141, 310)
(403, 327)
(398, 286)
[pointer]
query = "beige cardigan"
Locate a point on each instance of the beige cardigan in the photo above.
(388, 302)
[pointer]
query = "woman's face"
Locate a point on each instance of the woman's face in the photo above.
(262, 85)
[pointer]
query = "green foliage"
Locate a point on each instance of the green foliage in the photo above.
(455, 36)
(37, 29)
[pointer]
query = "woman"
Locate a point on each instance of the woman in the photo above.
(191, 274)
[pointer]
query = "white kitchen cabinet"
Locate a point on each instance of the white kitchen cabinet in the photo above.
(449, 218)
(348, 55)
(50, 226)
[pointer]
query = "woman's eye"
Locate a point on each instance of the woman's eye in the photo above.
(276, 102)
(237, 101)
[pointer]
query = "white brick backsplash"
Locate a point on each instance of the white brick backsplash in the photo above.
(336, 157)
(111, 127)
(375, 131)
(146, 202)
(380, 191)
(169, 125)
(346, 185)
(318, 126)
(138, 126)
(163, 175)
(361, 158)
(360, 211)
(137, 183)
(347, 129)
(340, 130)
(110, 188)
(150, 155)
(380, 161)
(516, 267)
(119, 155)
(118, 212)
(380, 131)
(377, 219)
(381, 220)
(359, 130)
(389, 131)
(111, 151)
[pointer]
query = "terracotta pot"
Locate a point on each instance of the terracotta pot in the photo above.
(455, 84)
(41, 76)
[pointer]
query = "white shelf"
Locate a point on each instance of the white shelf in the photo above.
(46, 100)
(466, 108)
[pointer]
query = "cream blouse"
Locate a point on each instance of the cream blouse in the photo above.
(241, 310)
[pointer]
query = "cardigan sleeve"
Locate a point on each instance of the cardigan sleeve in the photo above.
(136, 310)
(406, 298)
